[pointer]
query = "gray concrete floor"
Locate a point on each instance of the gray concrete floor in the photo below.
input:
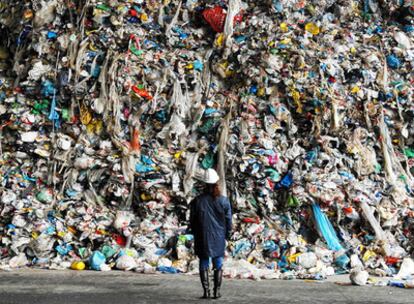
(87, 287)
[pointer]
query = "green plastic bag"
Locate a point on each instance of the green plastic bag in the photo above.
(108, 251)
(409, 152)
(293, 201)
(208, 161)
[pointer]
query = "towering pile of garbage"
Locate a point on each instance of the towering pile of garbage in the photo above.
(110, 109)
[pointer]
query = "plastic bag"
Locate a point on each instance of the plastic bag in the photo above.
(406, 269)
(359, 277)
(326, 229)
(125, 262)
(216, 17)
(19, 261)
(97, 260)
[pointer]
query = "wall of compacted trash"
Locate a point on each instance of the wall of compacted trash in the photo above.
(110, 109)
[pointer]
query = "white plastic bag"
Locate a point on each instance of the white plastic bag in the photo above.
(126, 262)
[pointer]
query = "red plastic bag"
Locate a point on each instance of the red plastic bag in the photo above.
(119, 239)
(141, 92)
(216, 17)
(251, 220)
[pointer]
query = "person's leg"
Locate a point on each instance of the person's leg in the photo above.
(204, 265)
(218, 275)
(218, 262)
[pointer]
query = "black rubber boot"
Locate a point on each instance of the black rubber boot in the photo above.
(218, 277)
(205, 283)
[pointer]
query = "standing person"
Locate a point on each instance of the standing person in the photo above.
(210, 222)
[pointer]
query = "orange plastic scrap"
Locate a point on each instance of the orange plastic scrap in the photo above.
(5, 124)
(142, 93)
(135, 145)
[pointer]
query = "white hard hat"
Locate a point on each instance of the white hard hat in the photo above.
(211, 176)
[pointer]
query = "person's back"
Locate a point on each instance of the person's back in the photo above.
(210, 222)
(210, 225)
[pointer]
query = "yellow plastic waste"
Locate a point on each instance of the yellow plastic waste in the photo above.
(284, 27)
(292, 258)
(368, 254)
(85, 115)
(355, 90)
(261, 92)
(178, 155)
(130, 252)
(296, 99)
(219, 40)
(312, 28)
(145, 197)
(144, 17)
(92, 47)
(95, 126)
(295, 95)
(285, 41)
(78, 265)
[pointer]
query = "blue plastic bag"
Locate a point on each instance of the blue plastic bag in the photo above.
(96, 260)
(64, 249)
(141, 168)
(286, 181)
(326, 229)
(48, 89)
(342, 261)
(166, 269)
(270, 246)
(393, 61)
